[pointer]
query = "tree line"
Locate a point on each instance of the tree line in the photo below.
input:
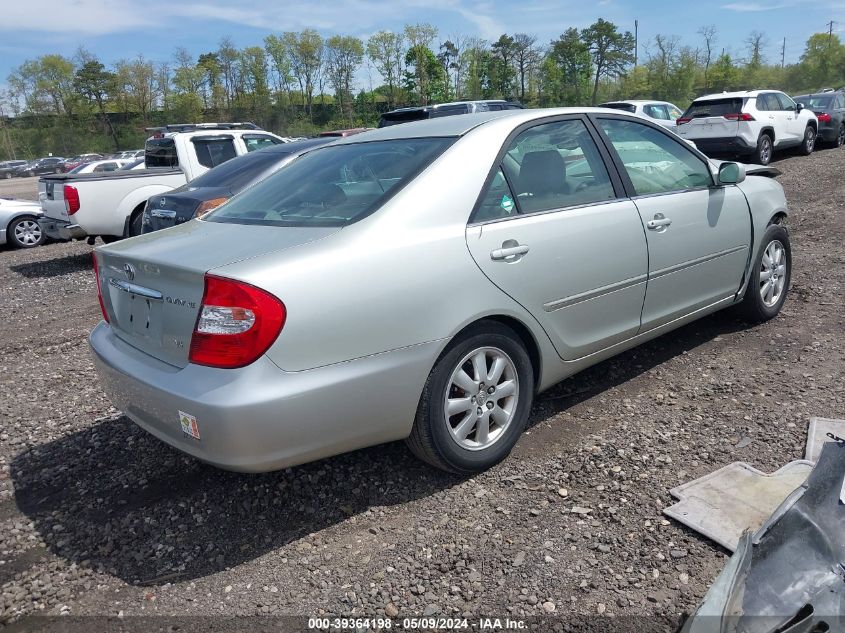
(297, 83)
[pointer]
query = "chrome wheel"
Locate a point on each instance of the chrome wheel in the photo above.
(840, 139)
(809, 140)
(765, 150)
(27, 233)
(481, 398)
(773, 273)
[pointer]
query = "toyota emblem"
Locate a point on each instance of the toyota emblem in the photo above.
(129, 271)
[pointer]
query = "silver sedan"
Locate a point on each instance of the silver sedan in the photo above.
(19, 223)
(424, 282)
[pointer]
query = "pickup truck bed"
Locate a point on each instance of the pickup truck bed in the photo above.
(107, 201)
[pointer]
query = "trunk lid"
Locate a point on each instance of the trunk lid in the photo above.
(177, 207)
(51, 196)
(152, 285)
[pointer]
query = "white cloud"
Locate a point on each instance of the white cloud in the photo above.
(754, 7)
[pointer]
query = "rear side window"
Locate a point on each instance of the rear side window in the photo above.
(713, 108)
(767, 102)
(332, 186)
(258, 141)
(654, 161)
(554, 166)
(161, 152)
(213, 151)
(497, 202)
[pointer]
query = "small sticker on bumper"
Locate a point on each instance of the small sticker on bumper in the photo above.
(189, 425)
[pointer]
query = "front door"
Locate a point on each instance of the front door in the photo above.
(698, 234)
(554, 231)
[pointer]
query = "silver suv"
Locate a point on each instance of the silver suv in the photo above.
(751, 123)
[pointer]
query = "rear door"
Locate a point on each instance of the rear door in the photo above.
(707, 118)
(698, 234)
(554, 230)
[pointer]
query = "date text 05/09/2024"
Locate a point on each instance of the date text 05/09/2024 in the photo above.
(416, 623)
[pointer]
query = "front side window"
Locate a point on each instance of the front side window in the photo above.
(655, 163)
(332, 186)
(657, 111)
(254, 142)
(556, 165)
(213, 151)
(785, 102)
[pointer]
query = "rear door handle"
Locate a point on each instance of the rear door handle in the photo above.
(659, 223)
(510, 251)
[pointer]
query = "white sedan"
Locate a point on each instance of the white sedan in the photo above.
(660, 112)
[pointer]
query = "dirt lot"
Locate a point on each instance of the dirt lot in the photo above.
(19, 188)
(97, 517)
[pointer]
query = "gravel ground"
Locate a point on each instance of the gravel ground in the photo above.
(99, 518)
(19, 188)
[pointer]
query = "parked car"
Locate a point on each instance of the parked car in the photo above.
(216, 186)
(829, 108)
(9, 167)
(661, 112)
(365, 294)
(752, 124)
(343, 133)
(404, 115)
(100, 166)
(110, 205)
(48, 165)
(72, 163)
(19, 223)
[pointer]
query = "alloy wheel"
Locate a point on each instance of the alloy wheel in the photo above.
(773, 273)
(481, 398)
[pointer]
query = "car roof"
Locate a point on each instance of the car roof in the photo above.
(459, 125)
(737, 94)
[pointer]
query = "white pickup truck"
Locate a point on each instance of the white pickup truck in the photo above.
(110, 205)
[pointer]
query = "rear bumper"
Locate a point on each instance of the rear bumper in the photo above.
(723, 145)
(260, 418)
(61, 229)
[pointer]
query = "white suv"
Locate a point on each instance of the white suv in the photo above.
(752, 123)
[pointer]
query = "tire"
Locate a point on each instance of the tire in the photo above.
(30, 174)
(136, 223)
(8, 175)
(763, 154)
(809, 142)
(839, 141)
(436, 438)
(24, 232)
(109, 239)
(758, 305)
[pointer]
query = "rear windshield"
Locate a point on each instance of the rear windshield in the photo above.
(332, 186)
(161, 152)
(627, 107)
(394, 118)
(818, 102)
(238, 173)
(713, 107)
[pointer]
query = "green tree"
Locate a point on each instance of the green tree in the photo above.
(344, 55)
(567, 69)
(612, 51)
(385, 51)
(419, 56)
(97, 84)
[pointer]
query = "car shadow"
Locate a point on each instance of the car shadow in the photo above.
(54, 267)
(115, 498)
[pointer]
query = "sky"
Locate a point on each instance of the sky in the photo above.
(122, 29)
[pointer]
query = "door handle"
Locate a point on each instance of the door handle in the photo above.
(659, 223)
(508, 251)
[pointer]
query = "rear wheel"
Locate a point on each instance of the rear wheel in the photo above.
(475, 403)
(839, 141)
(763, 154)
(770, 277)
(136, 222)
(24, 232)
(809, 142)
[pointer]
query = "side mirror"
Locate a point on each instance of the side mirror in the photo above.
(731, 173)
(799, 107)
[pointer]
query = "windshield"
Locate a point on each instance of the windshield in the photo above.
(713, 107)
(332, 186)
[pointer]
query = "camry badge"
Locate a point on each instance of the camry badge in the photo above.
(129, 270)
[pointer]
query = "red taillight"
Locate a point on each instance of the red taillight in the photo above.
(823, 117)
(237, 323)
(682, 120)
(739, 116)
(99, 287)
(71, 199)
